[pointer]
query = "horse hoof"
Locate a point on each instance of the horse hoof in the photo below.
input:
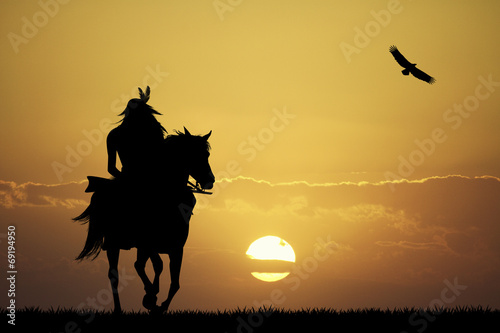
(156, 311)
(149, 301)
(164, 306)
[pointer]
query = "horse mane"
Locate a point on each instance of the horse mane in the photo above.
(183, 140)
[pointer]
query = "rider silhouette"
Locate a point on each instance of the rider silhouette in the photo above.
(136, 141)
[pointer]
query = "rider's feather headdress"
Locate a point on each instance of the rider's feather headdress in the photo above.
(139, 104)
(144, 96)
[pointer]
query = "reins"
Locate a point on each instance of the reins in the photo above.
(197, 189)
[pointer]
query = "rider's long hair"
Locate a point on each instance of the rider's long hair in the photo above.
(139, 117)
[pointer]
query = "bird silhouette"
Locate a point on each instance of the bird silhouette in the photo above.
(409, 67)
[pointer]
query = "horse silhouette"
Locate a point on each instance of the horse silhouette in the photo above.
(152, 215)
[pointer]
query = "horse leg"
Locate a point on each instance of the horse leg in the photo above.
(140, 267)
(149, 300)
(175, 272)
(158, 268)
(113, 255)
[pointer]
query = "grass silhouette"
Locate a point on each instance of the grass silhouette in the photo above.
(247, 320)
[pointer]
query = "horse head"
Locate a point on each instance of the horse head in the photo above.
(198, 166)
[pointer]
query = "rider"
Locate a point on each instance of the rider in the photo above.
(136, 140)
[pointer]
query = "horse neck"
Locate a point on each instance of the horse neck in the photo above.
(175, 172)
(177, 180)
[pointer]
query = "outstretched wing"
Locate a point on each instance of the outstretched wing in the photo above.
(422, 76)
(399, 57)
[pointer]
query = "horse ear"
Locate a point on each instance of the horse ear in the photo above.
(186, 131)
(207, 135)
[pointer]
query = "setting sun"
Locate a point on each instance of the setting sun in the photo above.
(275, 250)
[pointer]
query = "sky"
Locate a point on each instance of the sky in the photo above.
(386, 187)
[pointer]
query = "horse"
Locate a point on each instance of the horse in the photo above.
(122, 215)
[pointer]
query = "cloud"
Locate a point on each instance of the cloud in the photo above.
(369, 213)
(414, 246)
(30, 194)
(296, 205)
(431, 200)
(426, 199)
(292, 183)
(423, 223)
(412, 229)
(361, 183)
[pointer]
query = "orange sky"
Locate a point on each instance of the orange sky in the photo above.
(314, 128)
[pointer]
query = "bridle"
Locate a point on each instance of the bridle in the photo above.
(197, 188)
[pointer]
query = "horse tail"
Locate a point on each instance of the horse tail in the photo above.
(84, 217)
(95, 235)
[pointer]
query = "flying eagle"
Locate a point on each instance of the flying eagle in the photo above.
(409, 67)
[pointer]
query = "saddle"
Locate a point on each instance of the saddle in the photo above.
(97, 183)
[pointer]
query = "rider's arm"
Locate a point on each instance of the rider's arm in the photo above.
(112, 156)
